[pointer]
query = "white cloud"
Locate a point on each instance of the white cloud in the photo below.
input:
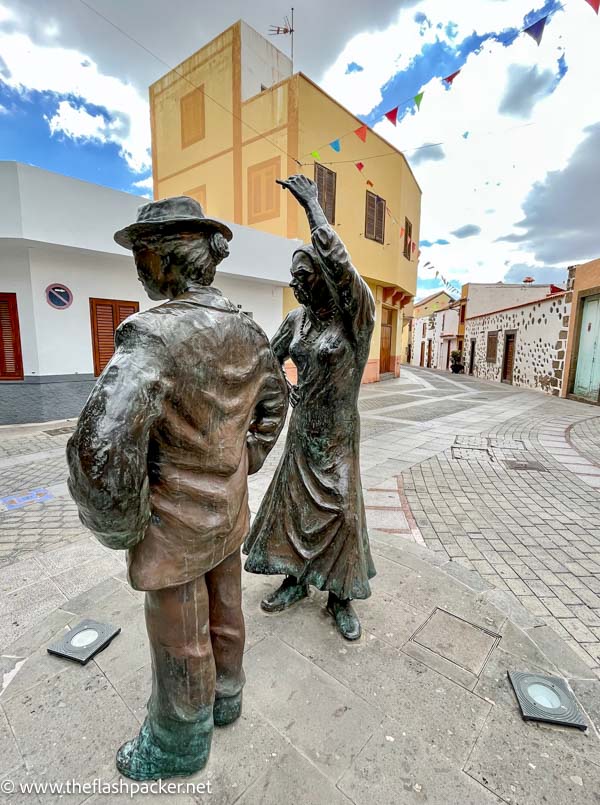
(504, 156)
(77, 123)
(144, 184)
(31, 66)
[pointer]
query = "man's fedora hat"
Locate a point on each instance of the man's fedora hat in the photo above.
(169, 216)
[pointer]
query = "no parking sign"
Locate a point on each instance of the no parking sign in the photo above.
(58, 296)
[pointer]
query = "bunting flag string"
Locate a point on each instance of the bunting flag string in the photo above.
(535, 31)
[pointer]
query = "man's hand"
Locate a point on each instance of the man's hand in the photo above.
(301, 187)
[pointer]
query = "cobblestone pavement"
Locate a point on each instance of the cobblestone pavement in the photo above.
(502, 481)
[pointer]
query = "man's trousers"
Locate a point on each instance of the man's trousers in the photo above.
(197, 634)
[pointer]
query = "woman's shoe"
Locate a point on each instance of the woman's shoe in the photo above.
(290, 592)
(345, 617)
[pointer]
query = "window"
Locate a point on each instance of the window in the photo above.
(326, 181)
(264, 196)
(407, 238)
(106, 315)
(492, 347)
(191, 108)
(424, 329)
(463, 310)
(443, 321)
(11, 364)
(375, 218)
(198, 193)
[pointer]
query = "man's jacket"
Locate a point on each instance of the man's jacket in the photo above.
(192, 402)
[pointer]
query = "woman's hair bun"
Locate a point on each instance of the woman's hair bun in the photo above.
(219, 248)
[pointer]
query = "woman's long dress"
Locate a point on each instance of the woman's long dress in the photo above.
(311, 523)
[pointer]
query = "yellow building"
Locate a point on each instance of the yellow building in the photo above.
(232, 118)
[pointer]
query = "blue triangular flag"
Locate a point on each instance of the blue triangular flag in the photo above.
(336, 145)
(536, 31)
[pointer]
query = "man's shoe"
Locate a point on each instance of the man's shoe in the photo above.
(290, 592)
(142, 759)
(345, 617)
(227, 710)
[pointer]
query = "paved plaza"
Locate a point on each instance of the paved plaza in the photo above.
(483, 503)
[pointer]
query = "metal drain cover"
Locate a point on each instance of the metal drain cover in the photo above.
(84, 641)
(517, 464)
(546, 698)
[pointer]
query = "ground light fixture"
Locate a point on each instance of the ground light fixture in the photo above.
(546, 698)
(84, 641)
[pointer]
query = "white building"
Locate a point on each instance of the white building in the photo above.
(65, 284)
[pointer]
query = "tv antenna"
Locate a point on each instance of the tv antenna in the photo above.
(287, 29)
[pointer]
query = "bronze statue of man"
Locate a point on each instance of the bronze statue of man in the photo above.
(311, 525)
(192, 402)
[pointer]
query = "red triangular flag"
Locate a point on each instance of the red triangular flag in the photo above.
(450, 78)
(361, 133)
(595, 4)
(360, 165)
(392, 115)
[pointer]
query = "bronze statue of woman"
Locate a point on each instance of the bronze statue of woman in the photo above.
(311, 525)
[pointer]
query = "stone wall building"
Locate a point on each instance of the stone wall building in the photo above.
(524, 345)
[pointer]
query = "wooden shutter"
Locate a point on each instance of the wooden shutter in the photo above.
(11, 365)
(264, 195)
(370, 215)
(326, 184)
(380, 220)
(375, 217)
(191, 108)
(492, 347)
(407, 238)
(106, 315)
(125, 310)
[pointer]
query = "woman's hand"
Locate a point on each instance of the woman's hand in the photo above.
(301, 187)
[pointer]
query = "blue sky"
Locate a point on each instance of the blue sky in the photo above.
(507, 170)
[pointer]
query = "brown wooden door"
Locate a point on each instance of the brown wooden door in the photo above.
(422, 356)
(472, 357)
(429, 349)
(385, 354)
(509, 358)
(106, 315)
(385, 350)
(11, 362)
